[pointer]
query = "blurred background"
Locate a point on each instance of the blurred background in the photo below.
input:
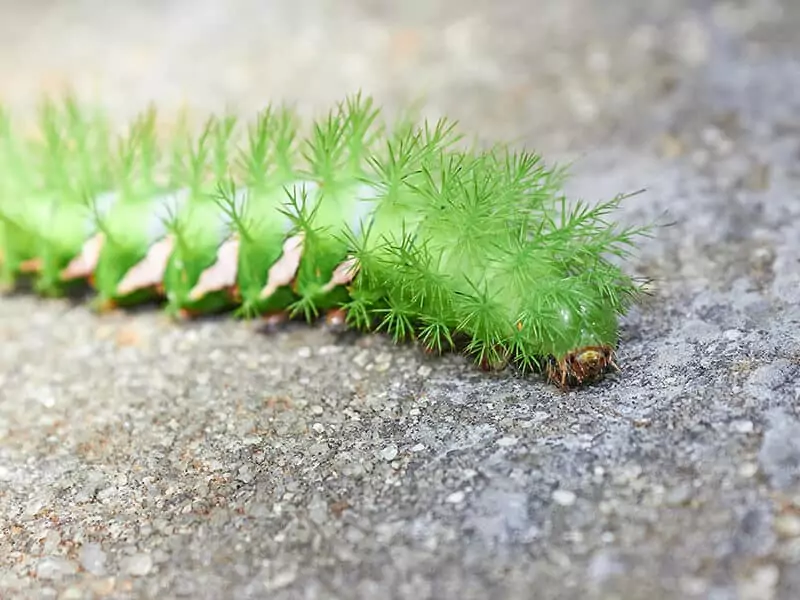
(558, 73)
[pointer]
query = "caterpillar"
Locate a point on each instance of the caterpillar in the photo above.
(399, 227)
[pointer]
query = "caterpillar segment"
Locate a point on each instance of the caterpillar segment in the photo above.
(405, 230)
(218, 281)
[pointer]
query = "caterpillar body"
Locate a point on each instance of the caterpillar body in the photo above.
(402, 229)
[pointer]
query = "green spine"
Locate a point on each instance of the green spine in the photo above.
(448, 244)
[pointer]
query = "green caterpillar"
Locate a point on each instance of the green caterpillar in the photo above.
(402, 229)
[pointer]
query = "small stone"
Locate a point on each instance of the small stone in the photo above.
(34, 507)
(104, 586)
(418, 447)
(761, 585)
(757, 178)
(361, 359)
(304, 352)
(787, 526)
(318, 427)
(742, 426)
(678, 496)
(779, 456)
(389, 453)
(93, 559)
(318, 511)
(540, 416)
(137, 565)
(789, 551)
(51, 542)
(455, 497)
(424, 371)
(748, 470)
(383, 357)
(55, 567)
(383, 362)
(107, 494)
(767, 378)
(245, 474)
(628, 474)
(694, 586)
(507, 442)
(318, 449)
(604, 565)
(670, 146)
(72, 593)
(280, 580)
(564, 497)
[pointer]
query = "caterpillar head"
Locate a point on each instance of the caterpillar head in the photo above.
(580, 366)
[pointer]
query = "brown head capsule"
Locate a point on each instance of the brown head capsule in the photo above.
(580, 365)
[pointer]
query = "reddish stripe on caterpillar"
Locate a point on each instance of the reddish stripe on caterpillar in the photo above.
(284, 271)
(149, 272)
(84, 264)
(221, 275)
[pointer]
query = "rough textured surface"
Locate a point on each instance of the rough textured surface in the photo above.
(140, 459)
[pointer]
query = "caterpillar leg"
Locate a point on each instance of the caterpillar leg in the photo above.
(31, 266)
(187, 314)
(274, 319)
(495, 363)
(336, 318)
(104, 306)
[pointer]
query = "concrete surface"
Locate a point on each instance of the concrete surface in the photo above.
(139, 459)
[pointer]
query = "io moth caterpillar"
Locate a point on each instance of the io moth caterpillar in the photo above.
(400, 229)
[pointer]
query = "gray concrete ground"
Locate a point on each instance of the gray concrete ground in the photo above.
(140, 459)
